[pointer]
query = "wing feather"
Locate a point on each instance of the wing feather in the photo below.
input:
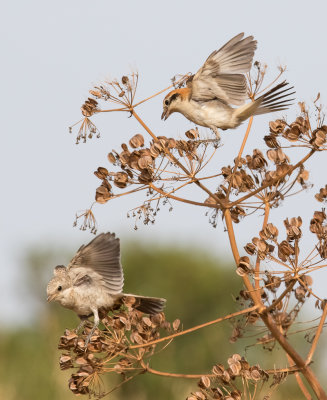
(101, 260)
(221, 76)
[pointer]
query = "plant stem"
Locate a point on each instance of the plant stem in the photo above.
(257, 264)
(318, 333)
(171, 196)
(195, 328)
(248, 129)
(268, 320)
(300, 382)
(198, 376)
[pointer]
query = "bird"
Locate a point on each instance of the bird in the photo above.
(220, 83)
(93, 280)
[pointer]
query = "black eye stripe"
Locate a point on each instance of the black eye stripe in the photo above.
(174, 97)
(171, 99)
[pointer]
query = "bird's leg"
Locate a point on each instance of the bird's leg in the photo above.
(95, 325)
(82, 323)
(216, 132)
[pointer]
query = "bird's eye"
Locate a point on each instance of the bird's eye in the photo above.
(59, 288)
(166, 102)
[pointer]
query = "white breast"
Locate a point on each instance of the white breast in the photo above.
(209, 114)
(89, 297)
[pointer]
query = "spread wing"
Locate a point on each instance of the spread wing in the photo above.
(221, 76)
(99, 260)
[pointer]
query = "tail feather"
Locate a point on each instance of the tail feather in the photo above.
(272, 101)
(149, 305)
(269, 102)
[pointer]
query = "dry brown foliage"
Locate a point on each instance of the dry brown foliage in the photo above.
(276, 276)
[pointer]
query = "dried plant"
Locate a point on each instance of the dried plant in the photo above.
(275, 274)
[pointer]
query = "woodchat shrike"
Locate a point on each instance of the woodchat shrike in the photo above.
(94, 280)
(220, 83)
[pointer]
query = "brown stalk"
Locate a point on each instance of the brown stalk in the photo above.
(248, 129)
(171, 196)
(229, 224)
(290, 370)
(318, 333)
(195, 328)
(257, 264)
(299, 381)
(267, 318)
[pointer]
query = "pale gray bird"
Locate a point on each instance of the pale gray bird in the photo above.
(221, 83)
(94, 280)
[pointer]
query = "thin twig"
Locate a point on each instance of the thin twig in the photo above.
(195, 328)
(290, 370)
(195, 203)
(174, 160)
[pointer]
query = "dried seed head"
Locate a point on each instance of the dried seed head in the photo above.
(306, 280)
(269, 232)
(101, 173)
(125, 80)
(277, 156)
(192, 133)
(277, 126)
(244, 266)
(257, 161)
(300, 293)
(145, 177)
(111, 158)
(89, 107)
(271, 141)
(121, 179)
(322, 195)
(285, 250)
(136, 141)
(250, 248)
(204, 382)
(103, 194)
(95, 93)
(293, 228)
(319, 136)
(218, 369)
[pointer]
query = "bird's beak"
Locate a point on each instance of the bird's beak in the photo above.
(51, 297)
(165, 114)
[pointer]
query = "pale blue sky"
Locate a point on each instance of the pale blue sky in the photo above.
(52, 53)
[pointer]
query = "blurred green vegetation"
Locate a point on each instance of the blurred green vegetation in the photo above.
(198, 288)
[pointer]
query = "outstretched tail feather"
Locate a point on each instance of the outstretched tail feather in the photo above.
(271, 101)
(149, 305)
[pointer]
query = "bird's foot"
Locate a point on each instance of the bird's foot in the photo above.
(89, 337)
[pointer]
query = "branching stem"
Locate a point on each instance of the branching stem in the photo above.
(195, 328)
